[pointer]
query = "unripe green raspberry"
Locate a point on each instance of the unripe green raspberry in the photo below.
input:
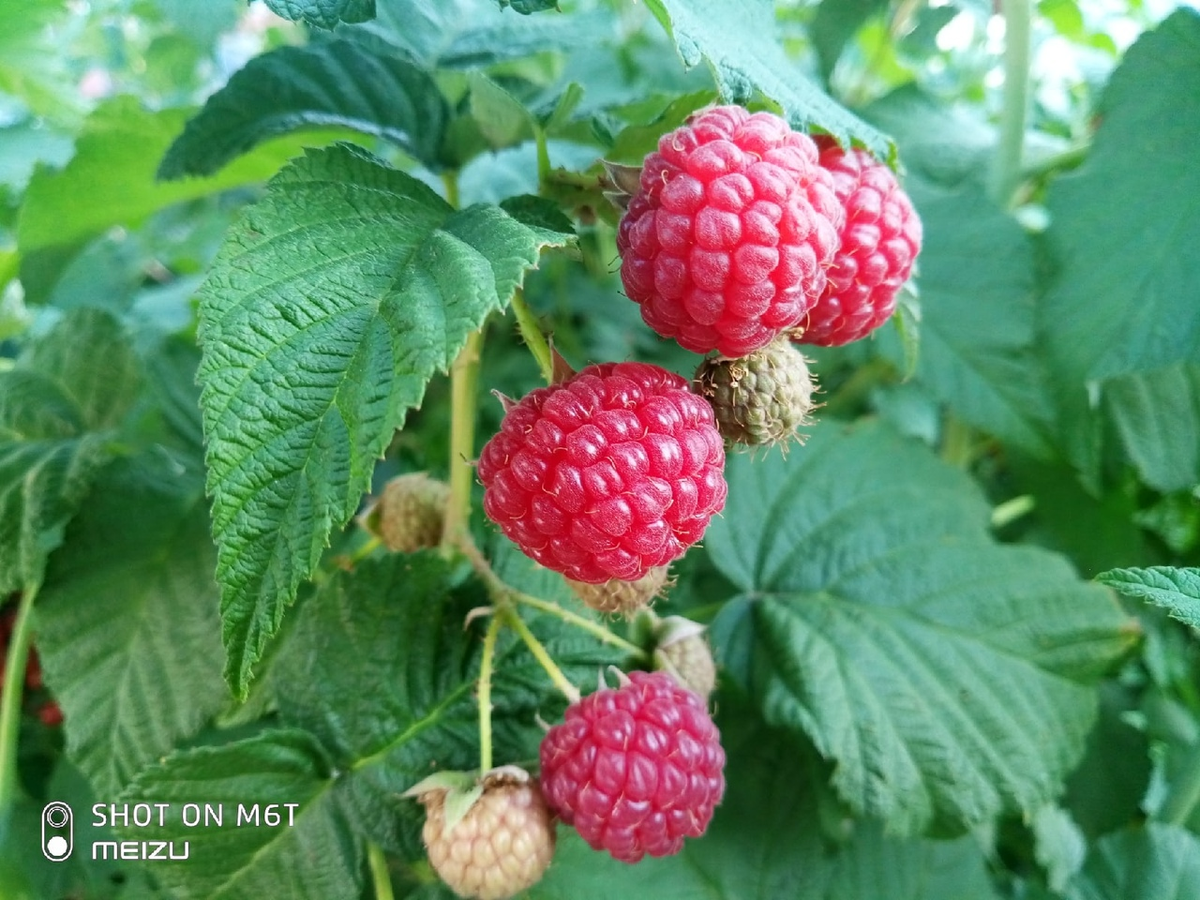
(502, 843)
(678, 646)
(625, 597)
(410, 514)
(761, 398)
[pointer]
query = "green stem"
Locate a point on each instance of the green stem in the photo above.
(957, 442)
(464, 378)
(1184, 795)
(450, 182)
(379, 872)
(543, 154)
(485, 692)
(1006, 165)
(10, 699)
(1066, 159)
(539, 653)
(532, 335)
(593, 628)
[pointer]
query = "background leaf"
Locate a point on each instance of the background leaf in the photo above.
(1175, 590)
(944, 675)
(324, 13)
(1156, 861)
(326, 312)
(127, 621)
(732, 39)
(336, 83)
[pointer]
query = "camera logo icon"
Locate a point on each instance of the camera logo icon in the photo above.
(58, 831)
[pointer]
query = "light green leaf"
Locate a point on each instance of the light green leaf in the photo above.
(115, 159)
(739, 44)
(977, 317)
(945, 676)
(1158, 861)
(323, 13)
(1175, 590)
(501, 118)
(308, 853)
(336, 83)
(1059, 845)
(835, 23)
(328, 309)
(127, 620)
(53, 416)
(1157, 415)
(1123, 233)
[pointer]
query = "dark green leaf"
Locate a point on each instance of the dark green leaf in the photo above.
(338, 83)
(1157, 415)
(501, 118)
(326, 312)
(1158, 861)
(1123, 231)
(310, 854)
(945, 675)
(1175, 590)
(127, 621)
(977, 317)
(738, 42)
(324, 13)
(836, 22)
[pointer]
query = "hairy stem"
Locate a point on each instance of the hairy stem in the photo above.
(533, 337)
(1006, 165)
(464, 379)
(539, 652)
(379, 872)
(1184, 794)
(593, 628)
(485, 692)
(10, 699)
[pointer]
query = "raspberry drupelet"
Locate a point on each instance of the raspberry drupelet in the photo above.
(726, 243)
(606, 475)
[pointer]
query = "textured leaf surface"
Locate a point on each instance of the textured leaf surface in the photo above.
(738, 43)
(1157, 415)
(945, 675)
(53, 415)
(113, 167)
(127, 621)
(1158, 861)
(324, 13)
(328, 309)
(337, 83)
(1123, 233)
(1175, 590)
(977, 317)
(313, 856)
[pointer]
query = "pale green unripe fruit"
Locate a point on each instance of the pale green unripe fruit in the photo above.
(759, 399)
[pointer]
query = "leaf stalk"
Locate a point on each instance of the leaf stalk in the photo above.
(10, 698)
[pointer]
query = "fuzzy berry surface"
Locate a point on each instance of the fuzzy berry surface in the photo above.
(727, 241)
(879, 241)
(606, 475)
(498, 849)
(636, 769)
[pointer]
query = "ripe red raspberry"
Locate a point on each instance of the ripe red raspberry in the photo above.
(637, 769)
(879, 241)
(727, 241)
(606, 475)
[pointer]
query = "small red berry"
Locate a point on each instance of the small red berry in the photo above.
(880, 239)
(51, 714)
(727, 241)
(635, 769)
(606, 475)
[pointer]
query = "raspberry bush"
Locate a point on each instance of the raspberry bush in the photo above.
(373, 381)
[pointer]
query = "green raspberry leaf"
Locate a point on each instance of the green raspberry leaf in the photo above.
(1175, 590)
(1159, 861)
(328, 309)
(337, 83)
(55, 421)
(113, 167)
(946, 676)
(1123, 234)
(127, 620)
(308, 853)
(324, 13)
(737, 40)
